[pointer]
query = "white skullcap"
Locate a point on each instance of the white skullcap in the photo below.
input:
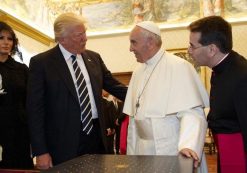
(150, 26)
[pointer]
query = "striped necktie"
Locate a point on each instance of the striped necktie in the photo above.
(83, 96)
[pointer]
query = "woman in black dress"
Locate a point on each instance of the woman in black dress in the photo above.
(14, 137)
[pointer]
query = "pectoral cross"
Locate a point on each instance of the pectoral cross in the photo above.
(137, 105)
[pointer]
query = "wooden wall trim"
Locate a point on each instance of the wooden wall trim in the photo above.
(123, 77)
(21, 27)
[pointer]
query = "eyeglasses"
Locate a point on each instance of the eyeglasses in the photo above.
(191, 47)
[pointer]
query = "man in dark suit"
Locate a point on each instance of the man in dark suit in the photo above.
(211, 45)
(112, 109)
(54, 100)
(109, 113)
(120, 117)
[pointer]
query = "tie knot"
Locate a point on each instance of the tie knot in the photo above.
(73, 57)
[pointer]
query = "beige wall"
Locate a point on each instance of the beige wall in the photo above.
(240, 38)
(29, 47)
(114, 49)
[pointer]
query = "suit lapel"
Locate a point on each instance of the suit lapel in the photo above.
(88, 61)
(63, 70)
(93, 73)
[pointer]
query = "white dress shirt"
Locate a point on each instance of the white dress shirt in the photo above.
(81, 64)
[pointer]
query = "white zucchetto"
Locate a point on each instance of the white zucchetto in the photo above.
(150, 26)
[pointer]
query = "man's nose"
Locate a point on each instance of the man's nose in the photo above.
(131, 49)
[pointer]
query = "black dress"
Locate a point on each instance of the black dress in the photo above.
(14, 137)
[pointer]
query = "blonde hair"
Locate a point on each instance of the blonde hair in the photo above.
(64, 22)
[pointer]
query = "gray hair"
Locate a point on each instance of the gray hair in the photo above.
(155, 37)
(66, 21)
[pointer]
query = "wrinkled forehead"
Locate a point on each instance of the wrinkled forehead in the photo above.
(136, 33)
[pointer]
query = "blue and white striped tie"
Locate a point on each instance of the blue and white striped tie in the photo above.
(83, 96)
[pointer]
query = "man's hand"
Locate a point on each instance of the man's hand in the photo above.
(110, 132)
(117, 122)
(190, 153)
(44, 161)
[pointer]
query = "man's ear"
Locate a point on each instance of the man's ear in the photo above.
(213, 50)
(150, 42)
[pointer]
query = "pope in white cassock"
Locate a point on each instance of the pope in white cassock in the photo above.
(165, 101)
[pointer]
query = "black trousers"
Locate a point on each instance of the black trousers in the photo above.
(92, 143)
(117, 142)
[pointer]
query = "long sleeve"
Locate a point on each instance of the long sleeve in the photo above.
(131, 137)
(240, 104)
(193, 126)
(36, 108)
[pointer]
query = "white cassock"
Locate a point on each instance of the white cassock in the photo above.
(170, 115)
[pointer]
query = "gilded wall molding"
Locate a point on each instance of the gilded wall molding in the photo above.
(25, 29)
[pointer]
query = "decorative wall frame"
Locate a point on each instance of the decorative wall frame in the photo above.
(123, 77)
(117, 16)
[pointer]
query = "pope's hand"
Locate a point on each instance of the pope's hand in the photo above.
(191, 154)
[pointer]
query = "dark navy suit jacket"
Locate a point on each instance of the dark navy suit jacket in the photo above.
(52, 102)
